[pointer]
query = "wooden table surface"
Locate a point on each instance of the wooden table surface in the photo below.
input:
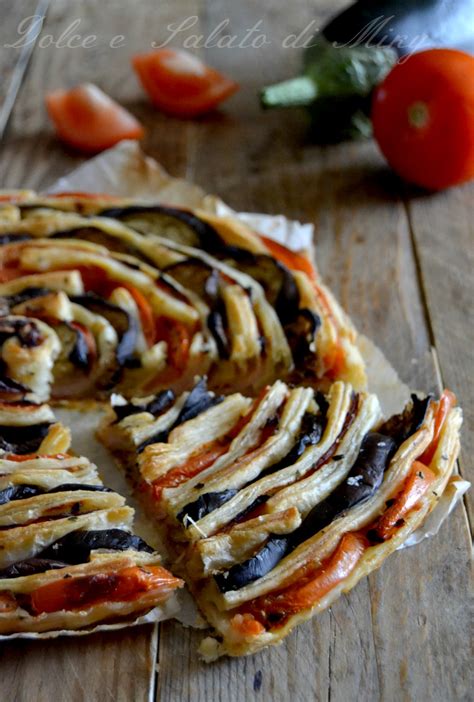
(400, 262)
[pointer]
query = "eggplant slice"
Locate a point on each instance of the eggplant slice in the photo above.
(76, 546)
(23, 440)
(181, 226)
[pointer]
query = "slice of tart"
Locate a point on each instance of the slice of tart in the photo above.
(68, 557)
(272, 507)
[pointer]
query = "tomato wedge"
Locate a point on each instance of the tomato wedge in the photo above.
(180, 84)
(89, 120)
(82, 592)
(414, 487)
(446, 403)
(275, 608)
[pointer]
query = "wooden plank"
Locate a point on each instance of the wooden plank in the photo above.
(115, 667)
(18, 32)
(443, 234)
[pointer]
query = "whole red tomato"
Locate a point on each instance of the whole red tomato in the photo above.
(423, 118)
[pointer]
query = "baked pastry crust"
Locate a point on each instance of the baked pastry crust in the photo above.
(68, 557)
(257, 500)
(238, 307)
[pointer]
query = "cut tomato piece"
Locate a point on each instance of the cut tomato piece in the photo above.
(89, 120)
(291, 259)
(414, 487)
(446, 403)
(82, 592)
(180, 84)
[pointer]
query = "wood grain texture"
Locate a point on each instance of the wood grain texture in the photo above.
(443, 232)
(403, 633)
(115, 667)
(19, 30)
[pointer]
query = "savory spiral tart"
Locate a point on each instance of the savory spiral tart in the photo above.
(273, 507)
(68, 557)
(210, 295)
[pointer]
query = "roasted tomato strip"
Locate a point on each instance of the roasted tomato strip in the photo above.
(85, 196)
(414, 487)
(292, 260)
(206, 457)
(273, 609)
(193, 466)
(147, 319)
(178, 338)
(33, 456)
(82, 592)
(335, 361)
(445, 404)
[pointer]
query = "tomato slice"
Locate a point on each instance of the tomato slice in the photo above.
(291, 259)
(126, 585)
(89, 120)
(446, 403)
(147, 318)
(193, 466)
(275, 608)
(83, 195)
(178, 337)
(33, 456)
(180, 84)
(414, 487)
(206, 456)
